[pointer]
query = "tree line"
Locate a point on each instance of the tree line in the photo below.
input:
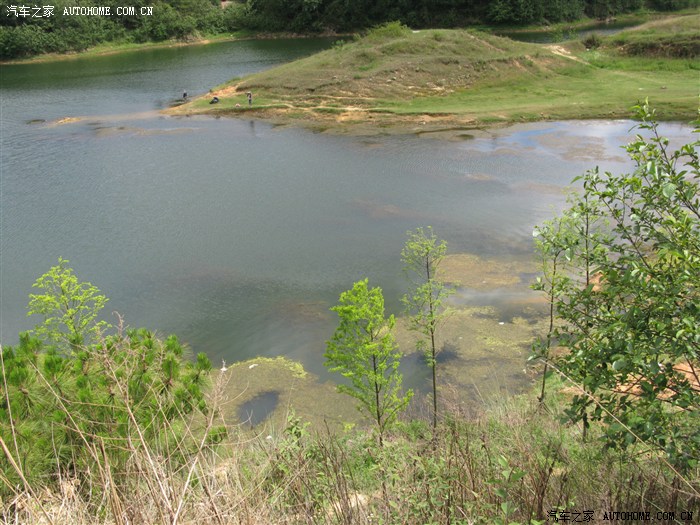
(34, 33)
(41, 32)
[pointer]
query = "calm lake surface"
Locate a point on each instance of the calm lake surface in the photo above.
(235, 235)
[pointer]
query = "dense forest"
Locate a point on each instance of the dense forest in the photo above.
(26, 30)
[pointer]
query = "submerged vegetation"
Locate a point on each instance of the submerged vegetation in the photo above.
(108, 425)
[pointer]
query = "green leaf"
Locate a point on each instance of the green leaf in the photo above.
(620, 364)
(669, 189)
(517, 475)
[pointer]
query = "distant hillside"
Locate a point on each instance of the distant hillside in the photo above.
(344, 15)
(68, 26)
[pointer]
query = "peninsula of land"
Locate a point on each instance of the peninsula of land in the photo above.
(398, 79)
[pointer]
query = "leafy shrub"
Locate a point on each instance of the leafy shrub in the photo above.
(169, 23)
(234, 17)
(626, 295)
(74, 400)
(21, 41)
(387, 31)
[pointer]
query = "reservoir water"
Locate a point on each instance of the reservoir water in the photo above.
(236, 235)
(545, 37)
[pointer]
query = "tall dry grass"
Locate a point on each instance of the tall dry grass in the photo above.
(513, 462)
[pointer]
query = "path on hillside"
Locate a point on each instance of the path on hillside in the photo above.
(560, 51)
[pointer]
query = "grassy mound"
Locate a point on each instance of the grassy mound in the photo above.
(397, 64)
(677, 37)
(438, 79)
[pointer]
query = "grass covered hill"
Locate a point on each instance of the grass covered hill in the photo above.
(674, 37)
(393, 62)
(396, 74)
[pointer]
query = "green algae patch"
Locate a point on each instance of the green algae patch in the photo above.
(480, 357)
(491, 353)
(484, 342)
(274, 363)
(264, 392)
(471, 271)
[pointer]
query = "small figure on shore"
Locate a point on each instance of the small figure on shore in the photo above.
(250, 98)
(184, 95)
(215, 100)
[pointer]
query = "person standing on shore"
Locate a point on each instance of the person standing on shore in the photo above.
(250, 98)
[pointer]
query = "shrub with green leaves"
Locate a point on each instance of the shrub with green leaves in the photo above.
(363, 350)
(592, 41)
(74, 400)
(425, 302)
(70, 309)
(387, 31)
(627, 297)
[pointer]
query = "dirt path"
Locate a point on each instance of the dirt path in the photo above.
(559, 50)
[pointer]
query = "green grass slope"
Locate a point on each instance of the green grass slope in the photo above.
(394, 64)
(674, 37)
(395, 75)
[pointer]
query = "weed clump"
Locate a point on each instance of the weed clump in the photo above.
(387, 31)
(592, 41)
